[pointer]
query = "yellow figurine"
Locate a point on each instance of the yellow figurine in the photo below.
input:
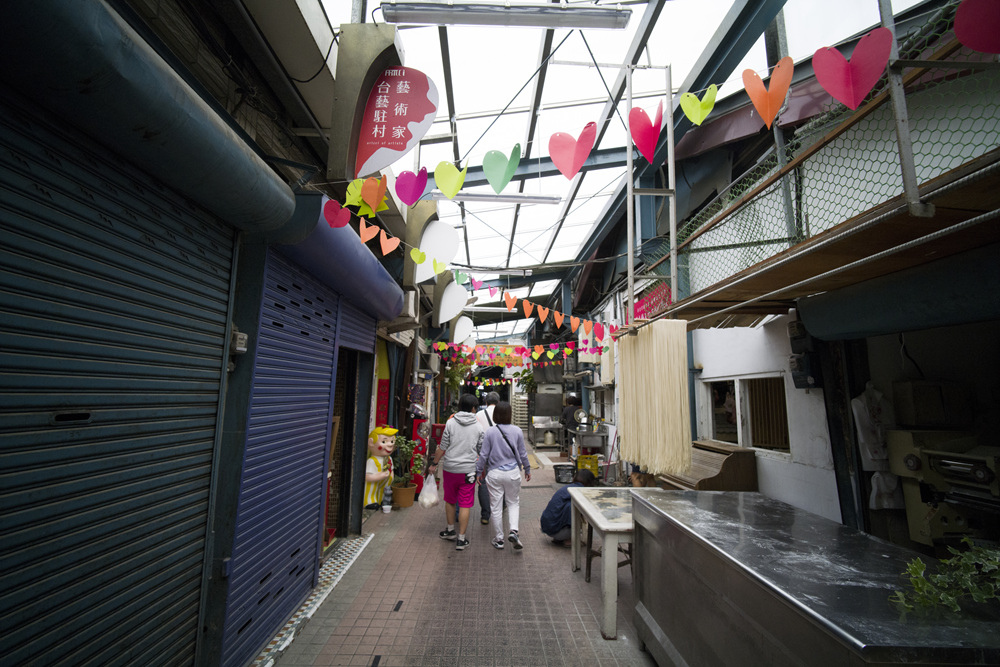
(378, 469)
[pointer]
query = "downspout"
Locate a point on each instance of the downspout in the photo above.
(84, 63)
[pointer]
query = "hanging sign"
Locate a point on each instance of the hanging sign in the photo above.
(401, 107)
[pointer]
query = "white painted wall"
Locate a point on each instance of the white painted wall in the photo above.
(803, 477)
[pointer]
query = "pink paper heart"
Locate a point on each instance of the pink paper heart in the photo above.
(569, 154)
(336, 216)
(494, 290)
(977, 25)
(553, 346)
(645, 134)
(476, 284)
(570, 345)
(850, 82)
(410, 187)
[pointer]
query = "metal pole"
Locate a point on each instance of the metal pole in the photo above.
(908, 171)
(672, 186)
(630, 207)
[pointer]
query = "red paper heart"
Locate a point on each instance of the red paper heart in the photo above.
(509, 300)
(574, 322)
(977, 25)
(570, 345)
(410, 187)
(598, 331)
(336, 216)
(388, 243)
(850, 82)
(542, 313)
(367, 232)
(528, 307)
(768, 101)
(373, 191)
(558, 318)
(645, 134)
(569, 154)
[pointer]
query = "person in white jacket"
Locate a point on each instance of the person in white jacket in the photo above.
(459, 449)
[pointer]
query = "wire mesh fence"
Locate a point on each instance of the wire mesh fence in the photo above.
(843, 163)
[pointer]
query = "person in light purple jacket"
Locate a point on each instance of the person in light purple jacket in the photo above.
(500, 459)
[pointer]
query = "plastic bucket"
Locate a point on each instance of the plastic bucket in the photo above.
(564, 473)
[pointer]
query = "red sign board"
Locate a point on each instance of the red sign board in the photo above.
(401, 107)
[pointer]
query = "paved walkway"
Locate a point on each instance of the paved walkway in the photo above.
(411, 599)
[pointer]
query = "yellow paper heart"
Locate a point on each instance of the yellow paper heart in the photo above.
(449, 179)
(439, 267)
(418, 256)
(697, 110)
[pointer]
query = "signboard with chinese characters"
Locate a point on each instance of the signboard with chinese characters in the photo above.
(401, 107)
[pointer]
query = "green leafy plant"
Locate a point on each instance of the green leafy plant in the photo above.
(404, 462)
(972, 575)
(454, 375)
(526, 380)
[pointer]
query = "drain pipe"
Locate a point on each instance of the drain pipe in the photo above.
(83, 62)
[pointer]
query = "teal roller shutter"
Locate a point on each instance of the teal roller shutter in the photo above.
(114, 296)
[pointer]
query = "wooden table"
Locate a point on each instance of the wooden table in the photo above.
(609, 512)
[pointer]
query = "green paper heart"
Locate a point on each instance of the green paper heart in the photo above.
(697, 110)
(551, 354)
(439, 267)
(499, 170)
(461, 278)
(449, 179)
(418, 256)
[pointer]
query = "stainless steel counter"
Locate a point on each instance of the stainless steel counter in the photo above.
(727, 578)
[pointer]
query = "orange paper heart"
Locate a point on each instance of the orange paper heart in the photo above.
(388, 243)
(539, 349)
(509, 300)
(558, 318)
(587, 326)
(528, 307)
(768, 101)
(368, 232)
(574, 322)
(373, 191)
(542, 313)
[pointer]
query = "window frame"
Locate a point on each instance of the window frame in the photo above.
(744, 429)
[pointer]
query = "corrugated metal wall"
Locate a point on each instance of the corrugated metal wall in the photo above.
(357, 330)
(279, 520)
(114, 298)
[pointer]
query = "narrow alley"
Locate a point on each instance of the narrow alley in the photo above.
(411, 599)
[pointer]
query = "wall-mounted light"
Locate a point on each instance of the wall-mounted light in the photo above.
(506, 14)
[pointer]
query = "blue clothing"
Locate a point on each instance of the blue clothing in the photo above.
(496, 454)
(557, 512)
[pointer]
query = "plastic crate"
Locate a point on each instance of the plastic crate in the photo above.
(587, 462)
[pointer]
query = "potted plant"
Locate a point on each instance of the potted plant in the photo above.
(404, 464)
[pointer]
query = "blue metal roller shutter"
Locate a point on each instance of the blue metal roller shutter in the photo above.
(275, 557)
(114, 298)
(357, 330)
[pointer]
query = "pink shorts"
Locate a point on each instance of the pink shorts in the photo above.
(456, 490)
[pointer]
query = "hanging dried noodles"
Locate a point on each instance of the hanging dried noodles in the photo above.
(655, 414)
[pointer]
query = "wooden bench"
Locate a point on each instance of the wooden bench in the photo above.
(715, 466)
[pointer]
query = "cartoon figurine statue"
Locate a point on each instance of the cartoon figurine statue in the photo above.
(378, 469)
